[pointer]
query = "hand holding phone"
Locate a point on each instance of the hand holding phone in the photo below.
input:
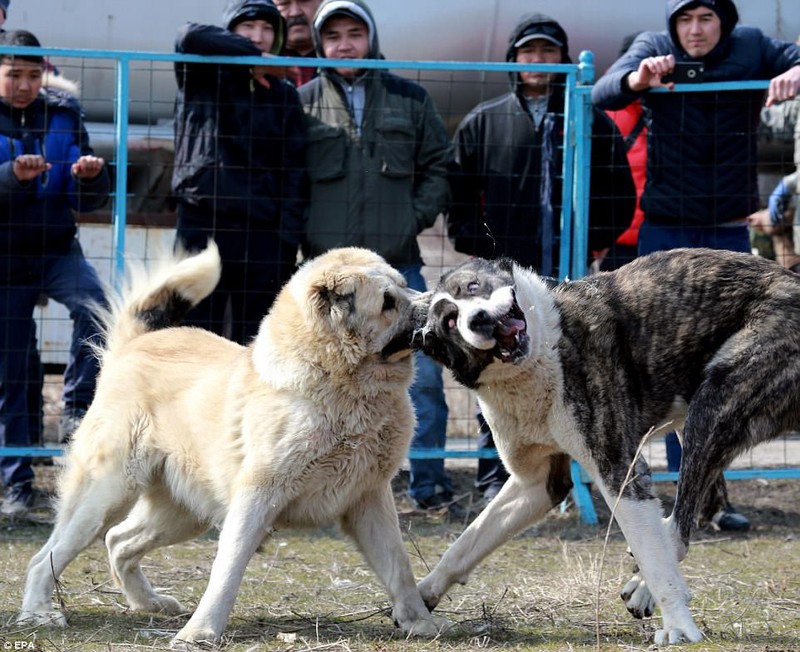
(685, 72)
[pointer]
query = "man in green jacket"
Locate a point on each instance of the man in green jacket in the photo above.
(377, 155)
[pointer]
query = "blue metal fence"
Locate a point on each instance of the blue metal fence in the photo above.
(574, 227)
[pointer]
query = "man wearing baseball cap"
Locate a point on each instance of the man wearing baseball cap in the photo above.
(507, 182)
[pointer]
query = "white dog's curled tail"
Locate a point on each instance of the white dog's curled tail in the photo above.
(158, 295)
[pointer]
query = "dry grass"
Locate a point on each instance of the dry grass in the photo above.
(542, 591)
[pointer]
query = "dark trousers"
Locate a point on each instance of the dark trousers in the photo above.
(490, 470)
(254, 268)
(71, 280)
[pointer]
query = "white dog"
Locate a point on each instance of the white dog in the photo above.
(188, 431)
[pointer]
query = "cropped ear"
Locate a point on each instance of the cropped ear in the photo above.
(334, 294)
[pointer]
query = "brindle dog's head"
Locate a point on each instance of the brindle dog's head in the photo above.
(472, 319)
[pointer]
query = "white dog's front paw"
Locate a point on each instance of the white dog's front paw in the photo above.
(426, 627)
(194, 638)
(159, 604)
(637, 597)
(44, 618)
(689, 633)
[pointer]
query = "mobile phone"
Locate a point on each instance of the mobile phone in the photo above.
(685, 72)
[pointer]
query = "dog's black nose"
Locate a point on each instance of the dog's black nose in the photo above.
(482, 322)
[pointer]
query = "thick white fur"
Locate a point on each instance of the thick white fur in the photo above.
(304, 427)
(525, 406)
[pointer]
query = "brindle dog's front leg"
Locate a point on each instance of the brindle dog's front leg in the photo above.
(520, 503)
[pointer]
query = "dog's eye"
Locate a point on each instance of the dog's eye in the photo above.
(473, 287)
(389, 302)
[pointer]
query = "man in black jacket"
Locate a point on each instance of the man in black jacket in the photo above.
(239, 164)
(702, 179)
(507, 181)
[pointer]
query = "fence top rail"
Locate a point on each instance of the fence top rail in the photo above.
(130, 55)
(570, 69)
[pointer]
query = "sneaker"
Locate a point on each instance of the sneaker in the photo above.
(18, 500)
(443, 503)
(70, 422)
(729, 519)
(491, 491)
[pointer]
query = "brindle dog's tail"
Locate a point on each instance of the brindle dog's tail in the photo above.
(158, 296)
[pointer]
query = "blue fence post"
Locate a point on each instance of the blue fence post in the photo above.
(583, 158)
(571, 101)
(580, 197)
(120, 214)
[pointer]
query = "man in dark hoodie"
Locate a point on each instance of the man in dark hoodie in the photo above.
(702, 181)
(506, 180)
(239, 164)
(377, 160)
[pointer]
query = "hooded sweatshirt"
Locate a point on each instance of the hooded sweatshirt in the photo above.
(507, 178)
(36, 217)
(701, 159)
(239, 161)
(377, 155)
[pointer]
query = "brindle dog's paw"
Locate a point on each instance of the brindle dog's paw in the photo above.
(637, 598)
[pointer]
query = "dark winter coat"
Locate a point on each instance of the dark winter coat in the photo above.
(507, 181)
(239, 147)
(37, 216)
(701, 158)
(379, 186)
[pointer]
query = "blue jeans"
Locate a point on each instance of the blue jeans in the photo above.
(657, 237)
(70, 280)
(427, 395)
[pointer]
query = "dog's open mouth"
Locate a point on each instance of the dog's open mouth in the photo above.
(511, 334)
(399, 347)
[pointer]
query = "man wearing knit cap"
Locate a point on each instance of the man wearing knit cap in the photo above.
(377, 160)
(702, 181)
(239, 172)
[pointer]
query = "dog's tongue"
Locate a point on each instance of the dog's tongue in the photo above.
(509, 327)
(507, 330)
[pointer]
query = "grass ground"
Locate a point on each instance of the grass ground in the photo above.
(553, 588)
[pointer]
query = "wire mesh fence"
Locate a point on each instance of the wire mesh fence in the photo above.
(128, 101)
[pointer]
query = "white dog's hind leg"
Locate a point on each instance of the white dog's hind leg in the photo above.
(513, 510)
(652, 541)
(372, 523)
(154, 521)
(84, 514)
(245, 526)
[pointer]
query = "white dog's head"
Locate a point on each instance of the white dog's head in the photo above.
(343, 309)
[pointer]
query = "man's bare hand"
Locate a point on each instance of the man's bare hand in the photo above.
(261, 73)
(650, 72)
(761, 222)
(87, 167)
(29, 166)
(784, 87)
